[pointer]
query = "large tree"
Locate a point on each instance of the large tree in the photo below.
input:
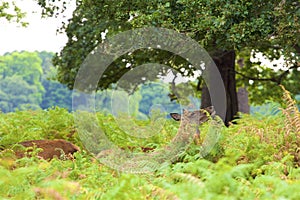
(226, 29)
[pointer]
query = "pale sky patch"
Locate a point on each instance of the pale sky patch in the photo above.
(40, 34)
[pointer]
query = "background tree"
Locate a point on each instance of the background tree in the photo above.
(56, 94)
(16, 93)
(224, 28)
(28, 82)
(27, 65)
(21, 87)
(155, 95)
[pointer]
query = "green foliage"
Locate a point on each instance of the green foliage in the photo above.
(25, 64)
(21, 85)
(116, 130)
(263, 81)
(28, 82)
(55, 94)
(18, 94)
(28, 125)
(270, 27)
(12, 13)
(256, 158)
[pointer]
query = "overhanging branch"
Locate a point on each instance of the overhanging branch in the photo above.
(278, 79)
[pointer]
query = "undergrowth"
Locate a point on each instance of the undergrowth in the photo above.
(256, 158)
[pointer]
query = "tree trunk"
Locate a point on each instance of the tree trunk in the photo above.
(243, 100)
(242, 93)
(225, 61)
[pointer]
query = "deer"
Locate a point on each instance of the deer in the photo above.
(195, 118)
(189, 121)
(50, 149)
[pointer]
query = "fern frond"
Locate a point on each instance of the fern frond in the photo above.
(292, 128)
(291, 112)
(189, 178)
(163, 194)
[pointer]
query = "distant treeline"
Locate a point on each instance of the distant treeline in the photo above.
(28, 81)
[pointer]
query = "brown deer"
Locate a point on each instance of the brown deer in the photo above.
(50, 148)
(196, 118)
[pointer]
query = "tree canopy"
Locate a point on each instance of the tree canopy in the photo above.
(271, 27)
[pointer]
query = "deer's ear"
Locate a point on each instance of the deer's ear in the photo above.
(211, 110)
(176, 116)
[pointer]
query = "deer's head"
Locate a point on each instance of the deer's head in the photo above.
(195, 117)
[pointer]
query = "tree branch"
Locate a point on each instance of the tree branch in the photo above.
(277, 79)
(255, 78)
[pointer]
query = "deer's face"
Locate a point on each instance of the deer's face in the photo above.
(195, 117)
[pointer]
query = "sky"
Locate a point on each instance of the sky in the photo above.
(39, 35)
